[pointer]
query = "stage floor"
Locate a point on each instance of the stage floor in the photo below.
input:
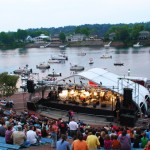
(98, 110)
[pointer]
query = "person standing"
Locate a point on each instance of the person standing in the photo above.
(73, 127)
(62, 144)
(80, 144)
(62, 127)
(70, 115)
(54, 132)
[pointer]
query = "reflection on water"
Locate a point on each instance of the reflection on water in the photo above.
(137, 60)
(23, 51)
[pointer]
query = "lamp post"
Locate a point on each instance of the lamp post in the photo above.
(128, 72)
(112, 104)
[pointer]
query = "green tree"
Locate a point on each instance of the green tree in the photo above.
(135, 31)
(21, 34)
(8, 84)
(62, 37)
(85, 31)
(6, 38)
(78, 30)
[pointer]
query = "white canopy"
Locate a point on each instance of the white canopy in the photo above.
(115, 83)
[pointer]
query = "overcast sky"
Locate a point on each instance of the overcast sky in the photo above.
(24, 14)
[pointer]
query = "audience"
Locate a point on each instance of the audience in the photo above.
(28, 129)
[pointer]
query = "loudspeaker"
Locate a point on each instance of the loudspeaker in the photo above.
(127, 96)
(31, 106)
(30, 86)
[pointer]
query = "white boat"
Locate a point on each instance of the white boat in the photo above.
(62, 46)
(137, 45)
(107, 45)
(91, 61)
(76, 68)
(25, 70)
(60, 57)
(43, 66)
(42, 46)
(81, 54)
(105, 56)
(54, 61)
(63, 55)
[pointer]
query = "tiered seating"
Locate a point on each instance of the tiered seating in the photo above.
(4, 146)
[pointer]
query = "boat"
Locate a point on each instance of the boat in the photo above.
(60, 57)
(137, 45)
(81, 54)
(118, 64)
(48, 78)
(107, 45)
(54, 61)
(105, 56)
(91, 61)
(54, 74)
(44, 46)
(43, 66)
(76, 68)
(25, 70)
(63, 55)
(62, 46)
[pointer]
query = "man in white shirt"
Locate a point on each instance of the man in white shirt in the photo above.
(73, 126)
(32, 136)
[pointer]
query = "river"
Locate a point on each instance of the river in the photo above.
(135, 59)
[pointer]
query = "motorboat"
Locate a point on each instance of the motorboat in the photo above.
(25, 70)
(54, 74)
(63, 55)
(62, 46)
(91, 61)
(60, 57)
(43, 66)
(105, 56)
(76, 68)
(137, 45)
(54, 61)
(81, 54)
(118, 64)
(107, 45)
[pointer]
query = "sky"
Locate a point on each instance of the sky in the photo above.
(24, 14)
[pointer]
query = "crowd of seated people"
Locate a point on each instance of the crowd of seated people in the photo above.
(28, 129)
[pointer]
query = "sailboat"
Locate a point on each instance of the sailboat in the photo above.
(107, 45)
(137, 45)
(91, 61)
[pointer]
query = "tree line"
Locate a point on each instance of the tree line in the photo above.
(124, 33)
